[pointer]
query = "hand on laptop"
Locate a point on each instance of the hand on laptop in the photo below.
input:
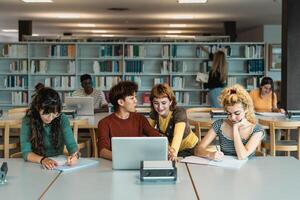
(172, 154)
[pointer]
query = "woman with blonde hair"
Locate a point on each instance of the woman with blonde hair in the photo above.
(171, 121)
(239, 134)
(217, 78)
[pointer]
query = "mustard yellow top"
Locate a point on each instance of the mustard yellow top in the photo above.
(263, 104)
(183, 136)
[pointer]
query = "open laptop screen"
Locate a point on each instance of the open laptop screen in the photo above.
(128, 152)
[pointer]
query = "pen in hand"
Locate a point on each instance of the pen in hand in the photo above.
(70, 159)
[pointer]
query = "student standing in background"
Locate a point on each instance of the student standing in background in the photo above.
(171, 121)
(239, 134)
(45, 131)
(87, 90)
(217, 78)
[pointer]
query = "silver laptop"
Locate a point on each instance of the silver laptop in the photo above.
(83, 105)
(128, 152)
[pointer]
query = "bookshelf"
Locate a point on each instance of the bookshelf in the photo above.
(60, 65)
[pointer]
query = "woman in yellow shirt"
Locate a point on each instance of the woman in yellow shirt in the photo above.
(171, 121)
(264, 98)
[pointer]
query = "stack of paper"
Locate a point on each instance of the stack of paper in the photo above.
(227, 161)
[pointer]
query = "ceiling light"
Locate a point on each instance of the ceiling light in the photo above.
(35, 34)
(86, 25)
(37, 1)
(99, 31)
(180, 36)
(177, 25)
(104, 35)
(192, 1)
(184, 17)
(175, 31)
(10, 30)
(68, 16)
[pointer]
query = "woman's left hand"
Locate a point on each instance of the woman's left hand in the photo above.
(171, 154)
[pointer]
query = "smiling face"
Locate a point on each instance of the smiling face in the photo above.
(87, 86)
(236, 113)
(162, 106)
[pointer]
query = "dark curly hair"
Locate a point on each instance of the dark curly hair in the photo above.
(48, 101)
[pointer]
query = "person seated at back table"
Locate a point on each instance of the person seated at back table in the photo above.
(87, 90)
(45, 131)
(265, 100)
(239, 134)
(171, 121)
(124, 121)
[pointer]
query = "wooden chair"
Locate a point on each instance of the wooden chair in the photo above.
(75, 124)
(198, 125)
(282, 145)
(17, 110)
(6, 142)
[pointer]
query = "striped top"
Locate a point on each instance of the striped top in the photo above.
(226, 144)
(99, 97)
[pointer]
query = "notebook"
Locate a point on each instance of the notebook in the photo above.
(128, 152)
(81, 163)
(227, 161)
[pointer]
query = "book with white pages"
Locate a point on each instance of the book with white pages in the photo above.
(80, 163)
(226, 162)
(271, 114)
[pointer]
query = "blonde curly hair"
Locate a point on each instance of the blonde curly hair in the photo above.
(237, 94)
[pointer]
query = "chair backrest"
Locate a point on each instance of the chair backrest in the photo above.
(75, 125)
(17, 110)
(282, 125)
(7, 145)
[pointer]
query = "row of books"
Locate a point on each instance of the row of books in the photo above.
(110, 50)
(255, 66)
(106, 82)
(62, 50)
(136, 79)
(61, 82)
(140, 51)
(14, 51)
(41, 66)
(18, 66)
(134, 66)
(18, 98)
(161, 80)
(254, 51)
(107, 66)
(182, 97)
(16, 81)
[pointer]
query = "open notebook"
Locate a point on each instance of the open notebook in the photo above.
(81, 163)
(227, 161)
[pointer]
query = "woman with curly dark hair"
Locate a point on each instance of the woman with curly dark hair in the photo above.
(45, 130)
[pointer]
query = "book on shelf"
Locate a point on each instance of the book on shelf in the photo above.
(18, 98)
(146, 98)
(254, 51)
(165, 51)
(178, 82)
(134, 66)
(182, 97)
(60, 82)
(16, 81)
(18, 66)
(255, 66)
(14, 51)
(38, 66)
(71, 67)
(136, 79)
(62, 50)
(135, 51)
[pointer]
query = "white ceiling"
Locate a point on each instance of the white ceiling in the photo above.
(144, 17)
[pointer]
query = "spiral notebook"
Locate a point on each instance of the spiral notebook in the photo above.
(81, 163)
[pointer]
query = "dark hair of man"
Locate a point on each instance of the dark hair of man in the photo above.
(49, 101)
(121, 91)
(85, 77)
